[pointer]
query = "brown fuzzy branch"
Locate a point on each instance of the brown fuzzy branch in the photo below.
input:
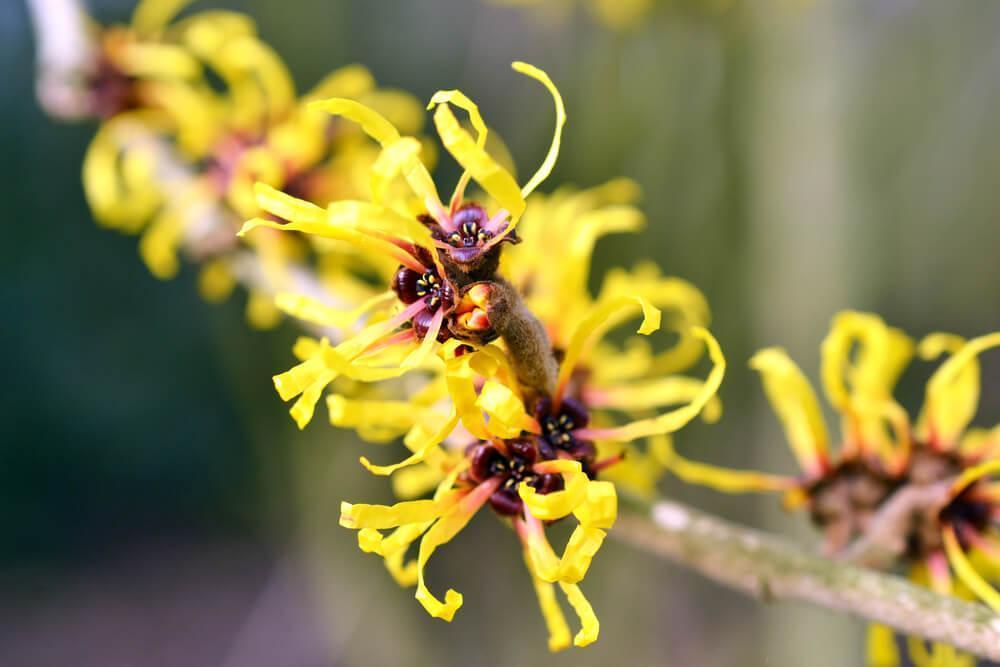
(768, 568)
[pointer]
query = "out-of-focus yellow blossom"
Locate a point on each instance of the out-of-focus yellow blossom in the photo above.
(614, 14)
(178, 162)
(956, 545)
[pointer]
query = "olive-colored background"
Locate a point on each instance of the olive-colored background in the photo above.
(157, 505)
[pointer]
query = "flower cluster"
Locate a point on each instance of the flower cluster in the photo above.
(951, 540)
(194, 113)
(518, 405)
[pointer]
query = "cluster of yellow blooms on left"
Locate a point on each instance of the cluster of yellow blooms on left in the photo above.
(196, 111)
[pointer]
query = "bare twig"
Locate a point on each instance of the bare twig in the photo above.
(769, 568)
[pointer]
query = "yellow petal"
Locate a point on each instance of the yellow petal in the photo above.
(392, 160)
(583, 545)
(348, 81)
(379, 517)
(459, 99)
(600, 508)
(440, 533)
(310, 310)
(375, 421)
(655, 394)
(381, 130)
(795, 403)
(677, 418)
(555, 621)
(953, 390)
(505, 408)
(601, 318)
(493, 178)
(152, 16)
(555, 505)
(303, 409)
(461, 387)
(590, 627)
(963, 568)
(216, 281)
(421, 441)
(882, 354)
(882, 650)
(550, 158)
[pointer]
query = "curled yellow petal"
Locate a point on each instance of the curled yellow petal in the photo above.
(974, 474)
(392, 160)
(421, 441)
(493, 178)
(795, 403)
(968, 575)
(656, 393)
(555, 621)
(459, 99)
(583, 545)
(550, 158)
(953, 390)
(440, 533)
(555, 505)
(600, 508)
(677, 418)
(873, 369)
(461, 387)
(381, 130)
(601, 318)
(590, 626)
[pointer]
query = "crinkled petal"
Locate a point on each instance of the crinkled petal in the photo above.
(651, 394)
(882, 354)
(440, 533)
(421, 441)
(597, 322)
(381, 130)
(378, 517)
(590, 627)
(672, 420)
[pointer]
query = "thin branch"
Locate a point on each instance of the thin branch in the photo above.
(768, 568)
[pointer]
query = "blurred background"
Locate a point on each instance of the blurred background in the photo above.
(160, 508)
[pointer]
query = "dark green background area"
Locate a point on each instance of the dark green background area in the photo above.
(797, 158)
